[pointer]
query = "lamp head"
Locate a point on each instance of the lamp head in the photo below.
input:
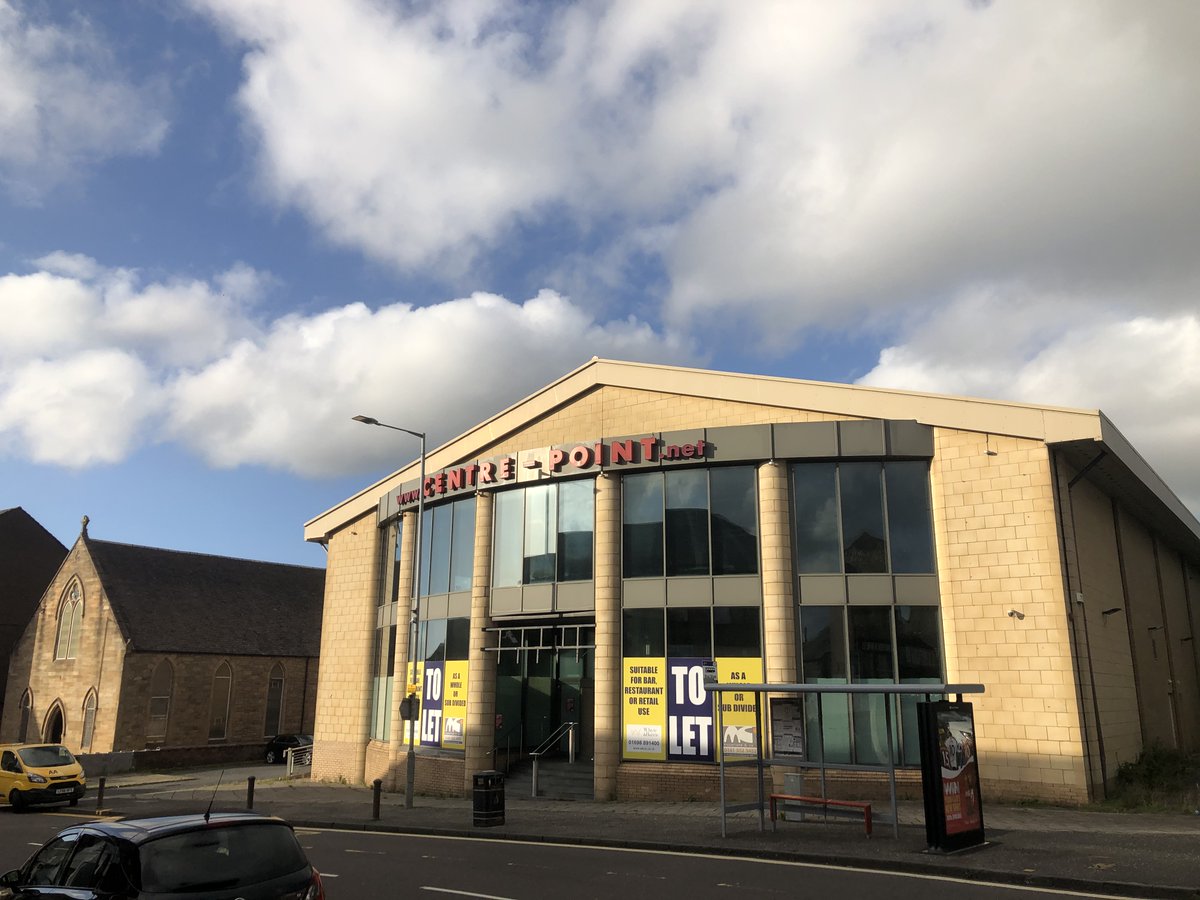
(366, 420)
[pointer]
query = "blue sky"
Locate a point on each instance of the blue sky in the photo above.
(227, 226)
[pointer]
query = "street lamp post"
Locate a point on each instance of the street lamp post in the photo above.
(410, 774)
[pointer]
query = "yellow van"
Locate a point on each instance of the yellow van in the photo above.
(40, 773)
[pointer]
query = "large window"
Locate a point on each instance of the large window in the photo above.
(273, 723)
(544, 533)
(862, 517)
(690, 522)
(448, 547)
(70, 623)
(383, 658)
(867, 645)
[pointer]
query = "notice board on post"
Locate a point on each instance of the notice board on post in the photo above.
(950, 775)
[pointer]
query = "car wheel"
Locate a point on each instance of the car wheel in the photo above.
(74, 801)
(16, 801)
(271, 757)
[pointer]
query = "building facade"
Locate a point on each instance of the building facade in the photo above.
(584, 553)
(133, 648)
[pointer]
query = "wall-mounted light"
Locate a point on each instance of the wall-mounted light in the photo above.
(1112, 610)
(1016, 614)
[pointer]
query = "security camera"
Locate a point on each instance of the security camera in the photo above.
(1015, 614)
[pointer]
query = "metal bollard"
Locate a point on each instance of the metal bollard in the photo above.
(376, 790)
(100, 794)
(250, 792)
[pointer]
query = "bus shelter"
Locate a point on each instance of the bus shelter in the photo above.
(788, 747)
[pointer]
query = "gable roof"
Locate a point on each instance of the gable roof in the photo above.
(29, 557)
(1086, 437)
(171, 601)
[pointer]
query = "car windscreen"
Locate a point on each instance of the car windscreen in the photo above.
(220, 857)
(46, 756)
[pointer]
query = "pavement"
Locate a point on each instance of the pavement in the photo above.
(1100, 853)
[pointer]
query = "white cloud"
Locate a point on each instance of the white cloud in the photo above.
(813, 161)
(65, 105)
(92, 368)
(286, 401)
(76, 411)
(1143, 371)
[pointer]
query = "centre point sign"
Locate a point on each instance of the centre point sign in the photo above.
(554, 461)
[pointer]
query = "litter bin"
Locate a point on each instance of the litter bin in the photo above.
(489, 798)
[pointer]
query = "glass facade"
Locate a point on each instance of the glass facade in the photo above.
(544, 534)
(864, 518)
(448, 547)
(840, 515)
(690, 522)
(383, 661)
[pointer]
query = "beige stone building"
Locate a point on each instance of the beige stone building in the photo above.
(585, 552)
(134, 648)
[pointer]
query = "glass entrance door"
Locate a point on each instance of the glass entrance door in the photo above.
(544, 679)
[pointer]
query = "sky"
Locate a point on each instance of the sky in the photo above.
(228, 226)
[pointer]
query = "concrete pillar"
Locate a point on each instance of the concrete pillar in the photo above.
(608, 637)
(481, 672)
(779, 612)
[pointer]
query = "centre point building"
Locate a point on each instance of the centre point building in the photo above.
(585, 552)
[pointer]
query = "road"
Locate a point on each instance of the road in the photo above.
(367, 865)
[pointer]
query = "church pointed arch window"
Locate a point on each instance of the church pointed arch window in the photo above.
(162, 684)
(70, 622)
(26, 714)
(275, 685)
(89, 721)
(55, 728)
(218, 715)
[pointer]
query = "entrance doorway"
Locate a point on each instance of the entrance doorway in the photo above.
(53, 733)
(545, 679)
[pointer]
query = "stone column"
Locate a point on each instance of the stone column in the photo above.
(779, 609)
(608, 637)
(481, 671)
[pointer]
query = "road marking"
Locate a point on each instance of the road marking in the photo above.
(799, 864)
(438, 890)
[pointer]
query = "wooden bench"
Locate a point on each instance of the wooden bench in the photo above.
(827, 806)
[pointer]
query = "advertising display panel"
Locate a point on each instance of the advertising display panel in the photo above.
(644, 710)
(667, 714)
(739, 721)
(950, 775)
(454, 706)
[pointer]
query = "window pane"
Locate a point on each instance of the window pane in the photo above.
(689, 631)
(458, 638)
(687, 522)
(642, 532)
(734, 521)
(870, 643)
(643, 634)
(435, 640)
(508, 524)
(735, 631)
(871, 663)
(823, 643)
(397, 544)
(438, 581)
(910, 522)
(576, 515)
(862, 517)
(918, 647)
(462, 545)
(219, 704)
(814, 495)
(541, 534)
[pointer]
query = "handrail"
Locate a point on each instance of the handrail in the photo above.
(556, 736)
(566, 727)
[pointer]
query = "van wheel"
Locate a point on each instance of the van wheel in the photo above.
(74, 801)
(16, 801)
